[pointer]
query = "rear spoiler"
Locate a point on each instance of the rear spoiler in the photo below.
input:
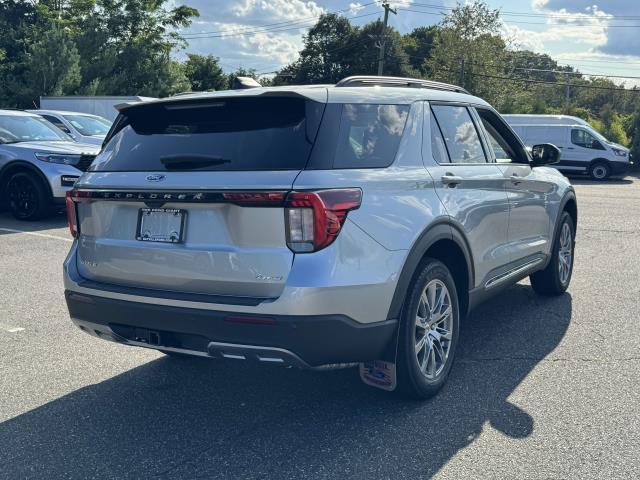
(318, 94)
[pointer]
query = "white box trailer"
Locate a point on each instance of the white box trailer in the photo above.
(103, 106)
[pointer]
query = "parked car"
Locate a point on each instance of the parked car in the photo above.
(313, 226)
(583, 149)
(38, 164)
(82, 127)
(101, 105)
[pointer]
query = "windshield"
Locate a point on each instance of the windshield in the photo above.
(89, 125)
(23, 128)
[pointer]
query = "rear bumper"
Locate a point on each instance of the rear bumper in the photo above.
(303, 341)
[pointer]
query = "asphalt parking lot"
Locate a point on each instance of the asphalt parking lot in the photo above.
(542, 388)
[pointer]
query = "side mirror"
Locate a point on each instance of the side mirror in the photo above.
(545, 154)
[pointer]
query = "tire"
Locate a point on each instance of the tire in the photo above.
(26, 197)
(556, 277)
(422, 373)
(599, 171)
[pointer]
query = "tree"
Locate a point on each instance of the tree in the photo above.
(335, 49)
(469, 50)
(204, 73)
(418, 45)
(52, 67)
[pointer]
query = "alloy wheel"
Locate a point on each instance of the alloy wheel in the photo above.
(23, 197)
(433, 329)
(565, 254)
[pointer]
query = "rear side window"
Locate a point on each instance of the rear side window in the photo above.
(369, 135)
(225, 134)
(460, 134)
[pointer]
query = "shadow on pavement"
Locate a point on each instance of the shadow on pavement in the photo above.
(628, 179)
(182, 418)
(57, 220)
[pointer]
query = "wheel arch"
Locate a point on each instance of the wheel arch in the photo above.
(16, 166)
(443, 241)
(606, 161)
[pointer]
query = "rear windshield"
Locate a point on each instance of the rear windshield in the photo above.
(258, 133)
(264, 133)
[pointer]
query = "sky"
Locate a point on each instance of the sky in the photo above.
(599, 38)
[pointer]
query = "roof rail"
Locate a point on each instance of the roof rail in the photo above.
(372, 80)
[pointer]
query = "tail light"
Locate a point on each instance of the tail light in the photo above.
(72, 218)
(72, 197)
(314, 219)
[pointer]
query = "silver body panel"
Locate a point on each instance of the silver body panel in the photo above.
(241, 251)
(24, 152)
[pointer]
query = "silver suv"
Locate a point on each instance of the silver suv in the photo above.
(314, 226)
(38, 164)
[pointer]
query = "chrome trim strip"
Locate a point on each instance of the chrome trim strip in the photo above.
(503, 277)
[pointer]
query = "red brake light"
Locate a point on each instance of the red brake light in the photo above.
(71, 214)
(314, 219)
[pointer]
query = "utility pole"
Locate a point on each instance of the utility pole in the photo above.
(567, 94)
(461, 81)
(383, 40)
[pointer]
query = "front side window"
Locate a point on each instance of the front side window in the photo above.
(504, 144)
(369, 135)
(460, 134)
(27, 128)
(584, 139)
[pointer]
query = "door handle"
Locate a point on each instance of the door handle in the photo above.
(451, 180)
(569, 148)
(515, 179)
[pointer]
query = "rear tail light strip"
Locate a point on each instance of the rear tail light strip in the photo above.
(258, 198)
(313, 218)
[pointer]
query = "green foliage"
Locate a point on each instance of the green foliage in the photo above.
(204, 73)
(97, 47)
(52, 65)
(335, 49)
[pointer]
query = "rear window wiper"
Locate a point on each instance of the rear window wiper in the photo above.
(191, 162)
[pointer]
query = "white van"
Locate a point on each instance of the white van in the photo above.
(534, 119)
(583, 149)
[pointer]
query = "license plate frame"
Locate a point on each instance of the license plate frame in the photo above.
(161, 225)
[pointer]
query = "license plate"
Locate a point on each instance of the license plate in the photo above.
(161, 225)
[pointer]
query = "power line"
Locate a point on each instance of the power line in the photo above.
(533, 14)
(581, 25)
(271, 26)
(528, 80)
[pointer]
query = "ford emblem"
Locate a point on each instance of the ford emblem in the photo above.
(155, 178)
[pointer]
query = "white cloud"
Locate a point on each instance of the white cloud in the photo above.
(355, 7)
(520, 38)
(580, 28)
(620, 39)
(280, 9)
